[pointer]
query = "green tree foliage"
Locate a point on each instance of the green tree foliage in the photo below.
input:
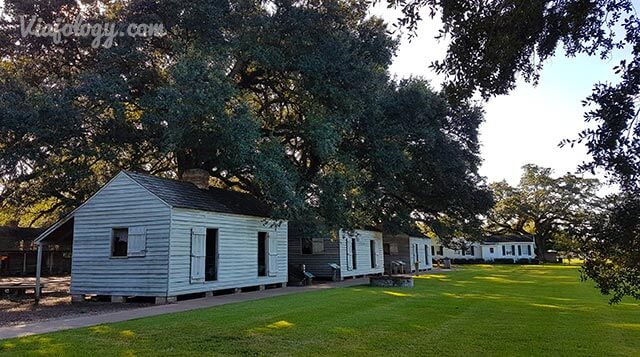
(494, 42)
(289, 101)
(613, 257)
(551, 209)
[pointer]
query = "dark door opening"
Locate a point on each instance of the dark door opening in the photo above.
(211, 256)
(262, 253)
(353, 255)
(372, 246)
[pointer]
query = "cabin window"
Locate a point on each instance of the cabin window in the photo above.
(211, 255)
(372, 247)
(440, 250)
(491, 250)
(433, 250)
(529, 249)
(519, 250)
(416, 258)
(426, 254)
(509, 250)
(262, 253)
(312, 245)
(119, 242)
(390, 248)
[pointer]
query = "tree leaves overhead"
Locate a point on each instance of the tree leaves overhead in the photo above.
(494, 43)
(612, 236)
(289, 101)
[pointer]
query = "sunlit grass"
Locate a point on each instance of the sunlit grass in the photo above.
(476, 310)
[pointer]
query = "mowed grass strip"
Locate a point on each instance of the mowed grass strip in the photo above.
(478, 310)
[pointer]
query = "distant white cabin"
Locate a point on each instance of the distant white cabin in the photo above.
(513, 247)
(141, 235)
(348, 254)
(407, 251)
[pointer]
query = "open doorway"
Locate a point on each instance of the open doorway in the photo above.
(353, 254)
(372, 247)
(211, 256)
(262, 253)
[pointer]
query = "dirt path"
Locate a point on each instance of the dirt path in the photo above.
(55, 303)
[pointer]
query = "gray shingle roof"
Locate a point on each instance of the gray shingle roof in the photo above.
(182, 194)
(508, 238)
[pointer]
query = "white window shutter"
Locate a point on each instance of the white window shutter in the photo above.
(137, 242)
(273, 254)
(318, 245)
(198, 236)
(379, 256)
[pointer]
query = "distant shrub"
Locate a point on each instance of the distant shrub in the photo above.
(523, 261)
(503, 261)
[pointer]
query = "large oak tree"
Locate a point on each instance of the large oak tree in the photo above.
(552, 209)
(290, 101)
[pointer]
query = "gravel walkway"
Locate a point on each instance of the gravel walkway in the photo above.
(55, 303)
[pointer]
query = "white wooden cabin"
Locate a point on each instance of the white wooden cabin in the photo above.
(411, 249)
(355, 253)
(141, 235)
(513, 247)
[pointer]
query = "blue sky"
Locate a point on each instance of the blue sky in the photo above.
(526, 125)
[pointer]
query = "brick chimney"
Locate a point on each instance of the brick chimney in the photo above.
(198, 177)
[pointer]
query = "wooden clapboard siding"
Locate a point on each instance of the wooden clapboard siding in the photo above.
(122, 203)
(402, 241)
(363, 256)
(406, 251)
(425, 261)
(316, 264)
(237, 249)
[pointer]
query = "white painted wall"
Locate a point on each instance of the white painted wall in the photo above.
(120, 204)
(424, 258)
(363, 256)
(497, 253)
(237, 250)
(483, 251)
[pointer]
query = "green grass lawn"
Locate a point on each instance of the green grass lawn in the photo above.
(478, 310)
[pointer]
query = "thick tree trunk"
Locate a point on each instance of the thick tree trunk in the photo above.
(541, 248)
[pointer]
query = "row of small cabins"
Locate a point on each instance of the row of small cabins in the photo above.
(141, 235)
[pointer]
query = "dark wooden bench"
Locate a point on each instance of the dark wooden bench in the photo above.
(17, 289)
